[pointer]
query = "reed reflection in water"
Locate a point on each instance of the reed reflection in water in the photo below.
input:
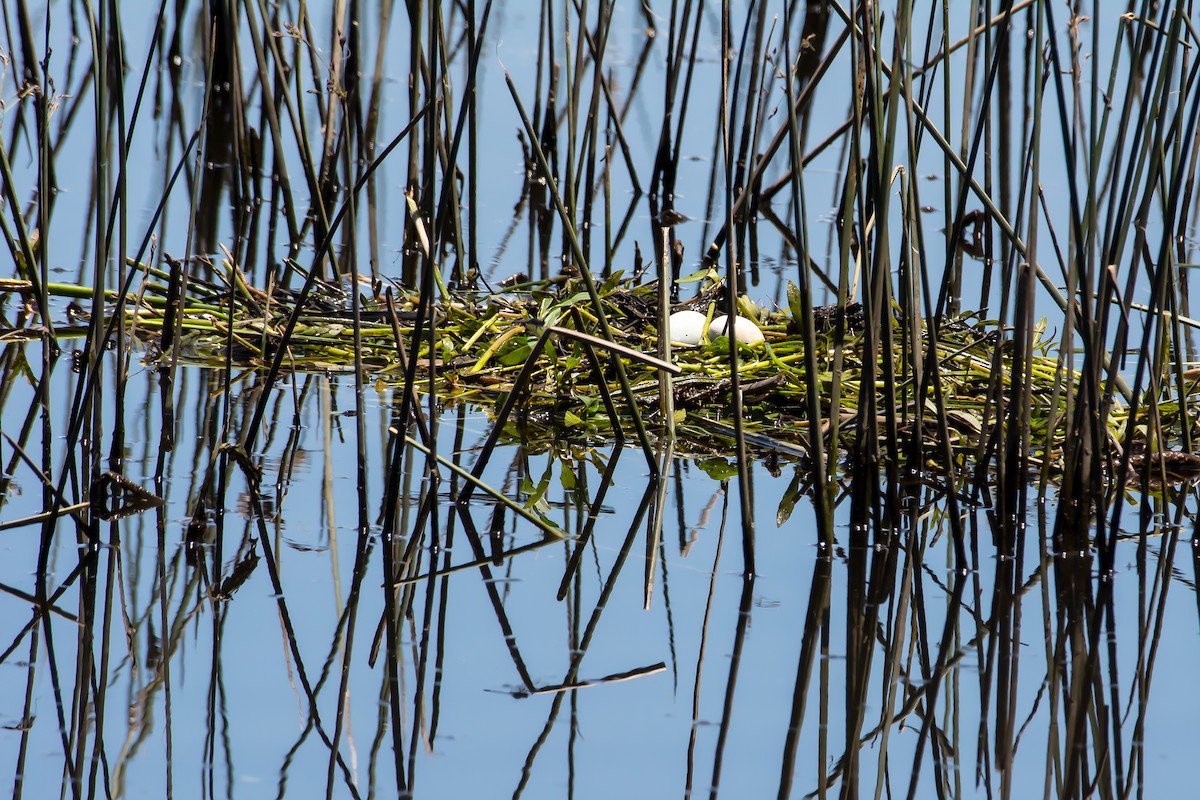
(256, 651)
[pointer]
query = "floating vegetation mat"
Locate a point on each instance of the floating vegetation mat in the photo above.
(482, 341)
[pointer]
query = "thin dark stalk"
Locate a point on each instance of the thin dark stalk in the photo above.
(586, 274)
(310, 282)
(732, 282)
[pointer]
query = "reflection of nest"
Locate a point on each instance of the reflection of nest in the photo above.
(1166, 467)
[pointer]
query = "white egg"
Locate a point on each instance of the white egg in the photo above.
(744, 329)
(686, 327)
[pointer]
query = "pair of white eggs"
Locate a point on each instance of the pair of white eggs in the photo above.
(688, 327)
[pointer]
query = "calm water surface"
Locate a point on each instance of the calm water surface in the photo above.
(632, 657)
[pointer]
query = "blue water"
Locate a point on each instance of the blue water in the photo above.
(226, 712)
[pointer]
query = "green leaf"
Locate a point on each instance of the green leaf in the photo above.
(718, 468)
(515, 356)
(699, 275)
(748, 309)
(614, 280)
(567, 477)
(790, 496)
(537, 498)
(795, 301)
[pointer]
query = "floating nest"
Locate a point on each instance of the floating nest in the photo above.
(480, 341)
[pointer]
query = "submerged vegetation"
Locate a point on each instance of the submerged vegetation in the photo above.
(966, 232)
